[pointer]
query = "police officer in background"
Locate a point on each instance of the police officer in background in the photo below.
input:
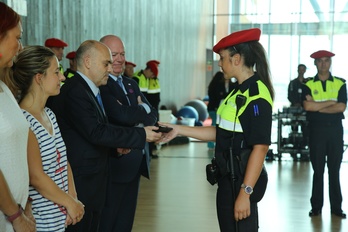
(324, 99)
(295, 86)
(129, 69)
(149, 86)
(57, 46)
(70, 72)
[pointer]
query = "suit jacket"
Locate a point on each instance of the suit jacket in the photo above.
(127, 112)
(89, 138)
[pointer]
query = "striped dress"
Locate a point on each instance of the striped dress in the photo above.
(49, 215)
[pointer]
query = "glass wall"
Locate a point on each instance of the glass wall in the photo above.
(291, 31)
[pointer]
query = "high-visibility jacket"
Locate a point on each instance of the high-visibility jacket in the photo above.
(143, 81)
(154, 86)
(332, 86)
(226, 113)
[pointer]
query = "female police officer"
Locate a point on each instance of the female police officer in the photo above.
(246, 127)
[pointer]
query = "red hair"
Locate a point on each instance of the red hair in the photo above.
(8, 19)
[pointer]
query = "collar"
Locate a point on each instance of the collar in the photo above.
(316, 78)
(116, 77)
(90, 83)
(246, 84)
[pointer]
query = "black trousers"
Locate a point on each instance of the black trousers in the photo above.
(90, 222)
(225, 210)
(119, 211)
(326, 145)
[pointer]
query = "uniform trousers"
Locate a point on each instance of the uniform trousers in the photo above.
(326, 145)
(225, 209)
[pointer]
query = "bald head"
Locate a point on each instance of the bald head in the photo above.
(94, 60)
(118, 53)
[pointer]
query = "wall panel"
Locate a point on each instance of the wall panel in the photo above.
(176, 32)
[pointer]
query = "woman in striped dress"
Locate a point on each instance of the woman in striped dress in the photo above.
(36, 75)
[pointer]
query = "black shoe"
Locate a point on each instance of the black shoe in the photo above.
(339, 214)
(154, 156)
(314, 213)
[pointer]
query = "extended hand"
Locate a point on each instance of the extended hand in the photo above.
(166, 137)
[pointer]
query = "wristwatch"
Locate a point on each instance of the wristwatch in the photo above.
(248, 189)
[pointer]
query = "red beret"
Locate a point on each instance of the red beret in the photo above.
(153, 61)
(71, 55)
(130, 63)
(153, 67)
(238, 38)
(54, 42)
(322, 53)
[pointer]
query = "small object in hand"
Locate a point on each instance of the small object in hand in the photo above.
(163, 129)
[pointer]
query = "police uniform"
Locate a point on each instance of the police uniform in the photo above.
(240, 127)
(326, 140)
(154, 92)
(142, 81)
(69, 73)
(154, 89)
(252, 126)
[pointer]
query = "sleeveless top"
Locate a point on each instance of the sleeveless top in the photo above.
(49, 215)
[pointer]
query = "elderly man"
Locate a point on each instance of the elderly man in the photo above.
(126, 106)
(324, 99)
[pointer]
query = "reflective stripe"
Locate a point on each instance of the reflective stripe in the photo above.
(154, 86)
(228, 125)
(153, 90)
(143, 89)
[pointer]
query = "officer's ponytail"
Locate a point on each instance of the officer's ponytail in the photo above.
(255, 56)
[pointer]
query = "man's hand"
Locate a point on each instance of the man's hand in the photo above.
(123, 151)
(309, 97)
(152, 136)
(140, 101)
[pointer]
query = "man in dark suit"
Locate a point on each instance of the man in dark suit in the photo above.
(125, 105)
(89, 138)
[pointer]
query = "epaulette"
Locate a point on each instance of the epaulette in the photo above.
(339, 78)
(253, 89)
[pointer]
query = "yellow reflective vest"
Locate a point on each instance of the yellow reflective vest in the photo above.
(332, 88)
(143, 81)
(154, 86)
(226, 113)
